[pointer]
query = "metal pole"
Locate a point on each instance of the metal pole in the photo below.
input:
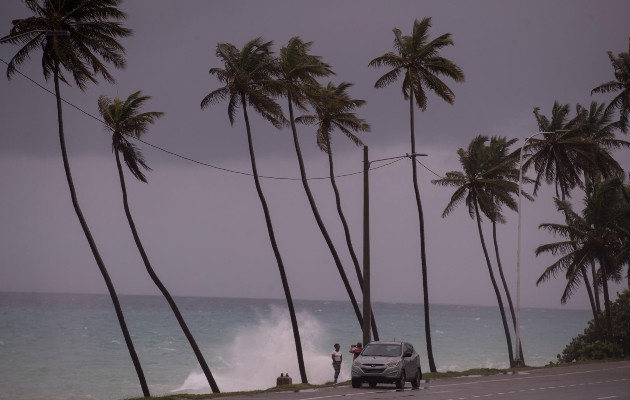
(367, 306)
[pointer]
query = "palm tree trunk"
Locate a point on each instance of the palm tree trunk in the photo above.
(423, 255)
(346, 230)
(596, 288)
(609, 331)
(506, 328)
(505, 287)
(274, 246)
(318, 218)
(90, 239)
(158, 282)
(590, 294)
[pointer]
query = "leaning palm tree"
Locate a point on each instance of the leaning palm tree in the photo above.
(621, 84)
(248, 80)
(298, 70)
(482, 187)
(124, 119)
(334, 110)
(508, 163)
(80, 38)
(588, 238)
(418, 60)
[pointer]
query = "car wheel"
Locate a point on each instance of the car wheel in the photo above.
(372, 384)
(400, 383)
(415, 383)
(356, 383)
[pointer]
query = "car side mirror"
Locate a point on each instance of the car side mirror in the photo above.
(407, 354)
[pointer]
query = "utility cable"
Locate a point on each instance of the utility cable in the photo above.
(191, 159)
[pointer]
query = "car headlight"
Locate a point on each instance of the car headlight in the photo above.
(393, 363)
(356, 363)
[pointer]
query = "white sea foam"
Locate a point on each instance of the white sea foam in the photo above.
(259, 354)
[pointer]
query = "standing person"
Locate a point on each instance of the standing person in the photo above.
(336, 361)
(356, 350)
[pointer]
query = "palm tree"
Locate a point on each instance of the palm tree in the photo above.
(247, 78)
(299, 70)
(334, 109)
(498, 153)
(596, 126)
(420, 63)
(589, 238)
(621, 84)
(124, 119)
(483, 188)
(561, 154)
(90, 31)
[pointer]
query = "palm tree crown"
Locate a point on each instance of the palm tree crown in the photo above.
(621, 84)
(298, 70)
(92, 35)
(124, 119)
(597, 127)
(419, 60)
(561, 155)
(488, 178)
(248, 73)
(334, 110)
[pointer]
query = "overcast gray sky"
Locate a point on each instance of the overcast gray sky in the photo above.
(204, 229)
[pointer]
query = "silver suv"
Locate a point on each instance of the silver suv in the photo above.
(387, 362)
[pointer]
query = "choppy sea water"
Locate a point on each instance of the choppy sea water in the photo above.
(69, 346)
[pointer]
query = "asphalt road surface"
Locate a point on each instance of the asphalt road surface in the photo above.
(601, 381)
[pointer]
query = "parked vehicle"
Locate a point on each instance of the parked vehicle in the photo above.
(387, 362)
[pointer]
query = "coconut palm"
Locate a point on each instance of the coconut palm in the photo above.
(124, 119)
(596, 125)
(483, 188)
(418, 60)
(589, 238)
(621, 84)
(298, 70)
(248, 80)
(498, 153)
(334, 110)
(561, 155)
(78, 38)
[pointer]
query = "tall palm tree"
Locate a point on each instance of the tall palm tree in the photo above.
(589, 238)
(124, 119)
(334, 110)
(418, 60)
(298, 70)
(482, 187)
(621, 84)
(561, 155)
(499, 153)
(91, 31)
(248, 80)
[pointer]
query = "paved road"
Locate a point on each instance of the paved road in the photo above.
(605, 381)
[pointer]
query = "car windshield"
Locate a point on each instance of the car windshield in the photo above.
(382, 350)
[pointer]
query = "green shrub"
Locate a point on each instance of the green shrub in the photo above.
(592, 343)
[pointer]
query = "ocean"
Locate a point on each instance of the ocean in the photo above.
(69, 346)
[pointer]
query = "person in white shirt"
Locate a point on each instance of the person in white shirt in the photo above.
(336, 360)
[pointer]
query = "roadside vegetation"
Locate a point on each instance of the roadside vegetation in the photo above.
(592, 343)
